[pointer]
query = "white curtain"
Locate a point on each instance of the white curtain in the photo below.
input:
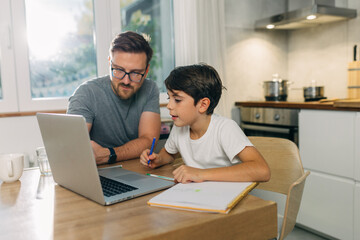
(200, 37)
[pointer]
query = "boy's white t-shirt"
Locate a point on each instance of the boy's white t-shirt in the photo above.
(218, 147)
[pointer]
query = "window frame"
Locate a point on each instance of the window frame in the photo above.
(26, 102)
(9, 101)
(15, 71)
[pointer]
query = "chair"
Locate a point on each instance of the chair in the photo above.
(287, 176)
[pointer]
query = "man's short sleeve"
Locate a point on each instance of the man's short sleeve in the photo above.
(81, 103)
(152, 103)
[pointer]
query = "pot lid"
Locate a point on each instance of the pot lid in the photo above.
(276, 78)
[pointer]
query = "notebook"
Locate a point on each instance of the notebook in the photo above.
(215, 197)
(67, 143)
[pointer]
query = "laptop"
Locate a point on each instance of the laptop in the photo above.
(67, 143)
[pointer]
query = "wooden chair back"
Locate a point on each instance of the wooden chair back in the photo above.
(287, 175)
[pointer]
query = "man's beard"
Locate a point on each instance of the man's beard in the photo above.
(116, 89)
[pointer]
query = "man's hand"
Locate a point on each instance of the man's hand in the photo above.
(101, 154)
(186, 174)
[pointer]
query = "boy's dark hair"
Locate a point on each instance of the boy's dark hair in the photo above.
(198, 81)
(131, 42)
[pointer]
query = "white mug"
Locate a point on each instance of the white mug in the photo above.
(11, 166)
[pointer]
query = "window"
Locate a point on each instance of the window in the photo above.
(1, 94)
(8, 101)
(1, 58)
(153, 17)
(61, 46)
(51, 47)
(1, 91)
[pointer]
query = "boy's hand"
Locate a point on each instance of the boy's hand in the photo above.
(186, 174)
(151, 161)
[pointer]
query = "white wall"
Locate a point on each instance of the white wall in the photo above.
(252, 56)
(320, 53)
(20, 135)
(323, 53)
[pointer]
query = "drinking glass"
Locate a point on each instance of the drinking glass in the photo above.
(43, 161)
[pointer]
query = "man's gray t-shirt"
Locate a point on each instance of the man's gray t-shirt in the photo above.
(114, 121)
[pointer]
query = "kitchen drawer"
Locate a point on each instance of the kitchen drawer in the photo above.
(327, 205)
(326, 141)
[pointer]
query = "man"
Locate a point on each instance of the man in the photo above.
(121, 109)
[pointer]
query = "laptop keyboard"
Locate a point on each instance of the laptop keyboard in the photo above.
(111, 187)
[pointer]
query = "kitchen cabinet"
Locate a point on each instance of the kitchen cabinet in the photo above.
(357, 178)
(328, 143)
(357, 149)
(357, 212)
(327, 205)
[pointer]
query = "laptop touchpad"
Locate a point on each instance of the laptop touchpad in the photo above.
(130, 177)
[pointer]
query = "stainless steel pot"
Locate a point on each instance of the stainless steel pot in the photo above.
(276, 90)
(313, 92)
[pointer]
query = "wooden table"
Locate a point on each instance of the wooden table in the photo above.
(37, 208)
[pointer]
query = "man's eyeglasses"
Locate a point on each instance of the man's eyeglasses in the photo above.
(120, 74)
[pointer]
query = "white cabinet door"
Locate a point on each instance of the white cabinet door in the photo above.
(357, 212)
(357, 148)
(327, 205)
(327, 141)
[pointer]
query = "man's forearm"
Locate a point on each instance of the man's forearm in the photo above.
(132, 149)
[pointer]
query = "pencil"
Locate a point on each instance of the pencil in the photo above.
(163, 177)
(152, 148)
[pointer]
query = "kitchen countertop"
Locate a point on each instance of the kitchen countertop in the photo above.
(317, 105)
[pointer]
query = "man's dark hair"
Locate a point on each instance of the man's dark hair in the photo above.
(199, 81)
(131, 42)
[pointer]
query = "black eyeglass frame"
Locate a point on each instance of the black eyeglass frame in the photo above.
(127, 73)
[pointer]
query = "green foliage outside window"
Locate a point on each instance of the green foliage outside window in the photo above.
(74, 62)
(149, 25)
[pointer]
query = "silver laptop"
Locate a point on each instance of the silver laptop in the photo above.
(67, 143)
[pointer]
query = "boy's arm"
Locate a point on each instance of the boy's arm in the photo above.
(166, 157)
(252, 169)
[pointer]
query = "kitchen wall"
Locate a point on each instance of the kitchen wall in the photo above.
(323, 53)
(320, 53)
(252, 56)
(20, 135)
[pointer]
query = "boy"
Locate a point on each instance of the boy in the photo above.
(213, 148)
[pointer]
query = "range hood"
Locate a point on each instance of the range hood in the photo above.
(319, 12)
